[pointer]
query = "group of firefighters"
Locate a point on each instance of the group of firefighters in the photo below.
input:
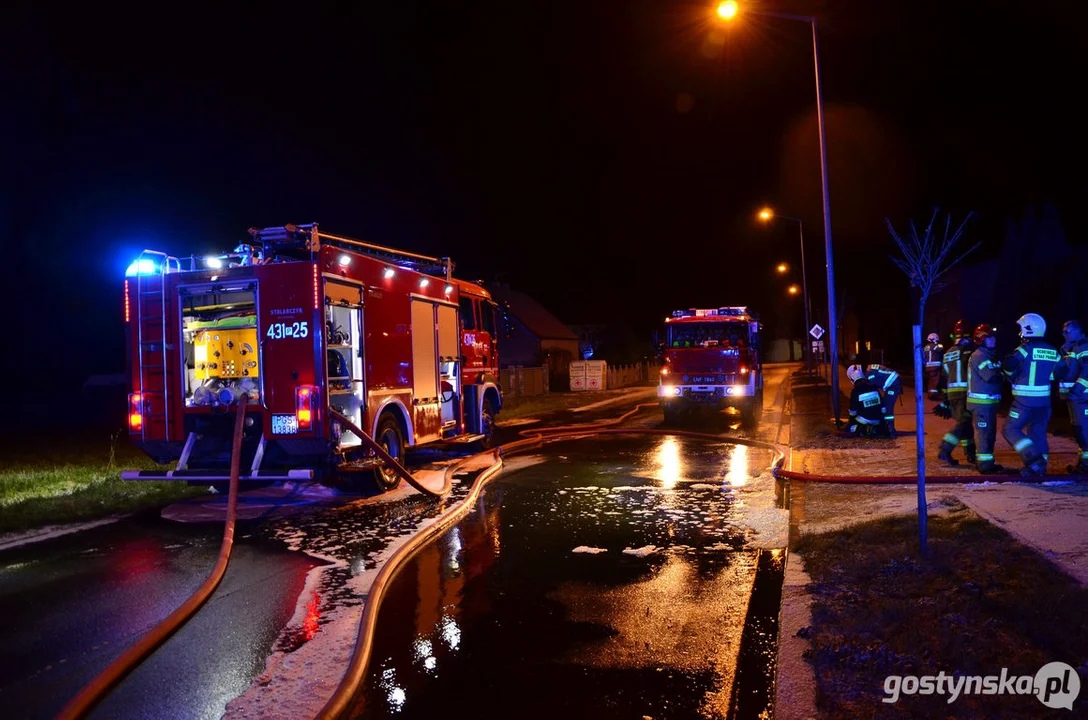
(967, 379)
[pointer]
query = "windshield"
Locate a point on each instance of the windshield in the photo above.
(709, 334)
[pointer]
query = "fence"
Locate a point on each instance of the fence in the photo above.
(520, 381)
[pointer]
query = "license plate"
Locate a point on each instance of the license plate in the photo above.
(284, 425)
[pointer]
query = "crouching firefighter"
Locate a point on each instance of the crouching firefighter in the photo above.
(866, 410)
(1030, 369)
(955, 368)
(984, 383)
(889, 383)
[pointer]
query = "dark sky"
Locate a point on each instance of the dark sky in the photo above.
(605, 157)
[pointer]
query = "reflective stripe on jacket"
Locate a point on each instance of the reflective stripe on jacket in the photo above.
(1031, 368)
(955, 368)
(985, 379)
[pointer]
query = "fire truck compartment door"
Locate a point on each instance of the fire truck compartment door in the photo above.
(447, 333)
(424, 350)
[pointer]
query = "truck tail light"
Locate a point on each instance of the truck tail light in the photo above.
(304, 406)
(664, 369)
(743, 369)
(135, 412)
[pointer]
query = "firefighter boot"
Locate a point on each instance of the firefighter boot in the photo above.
(945, 454)
(969, 452)
(891, 428)
(990, 468)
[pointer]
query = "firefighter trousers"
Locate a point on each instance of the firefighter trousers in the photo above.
(962, 433)
(933, 375)
(1078, 416)
(891, 397)
(984, 418)
(1031, 444)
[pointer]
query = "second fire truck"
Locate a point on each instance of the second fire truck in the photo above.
(713, 360)
(336, 345)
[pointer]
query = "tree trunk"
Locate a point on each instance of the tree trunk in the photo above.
(920, 433)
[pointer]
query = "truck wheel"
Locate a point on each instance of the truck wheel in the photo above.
(753, 411)
(487, 426)
(392, 441)
(672, 414)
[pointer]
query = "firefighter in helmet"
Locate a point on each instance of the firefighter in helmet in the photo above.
(1030, 368)
(984, 383)
(1074, 389)
(891, 385)
(955, 366)
(931, 357)
(866, 408)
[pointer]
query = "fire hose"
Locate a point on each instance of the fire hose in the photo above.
(105, 681)
(340, 702)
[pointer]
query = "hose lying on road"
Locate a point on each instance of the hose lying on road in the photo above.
(355, 674)
(105, 681)
(902, 479)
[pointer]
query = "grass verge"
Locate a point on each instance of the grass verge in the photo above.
(40, 487)
(979, 603)
(519, 407)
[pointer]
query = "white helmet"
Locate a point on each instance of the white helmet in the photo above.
(1031, 325)
(933, 338)
(855, 373)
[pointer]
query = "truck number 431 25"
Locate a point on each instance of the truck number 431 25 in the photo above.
(278, 331)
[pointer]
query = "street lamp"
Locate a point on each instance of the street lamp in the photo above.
(766, 215)
(729, 13)
(782, 267)
(793, 289)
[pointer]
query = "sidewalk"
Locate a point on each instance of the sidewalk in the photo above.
(1050, 516)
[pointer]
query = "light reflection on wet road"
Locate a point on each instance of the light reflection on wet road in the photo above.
(598, 578)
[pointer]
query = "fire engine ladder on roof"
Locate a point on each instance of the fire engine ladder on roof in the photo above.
(153, 371)
(314, 238)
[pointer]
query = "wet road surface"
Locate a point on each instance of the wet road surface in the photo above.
(604, 577)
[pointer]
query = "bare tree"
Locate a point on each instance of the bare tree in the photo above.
(925, 258)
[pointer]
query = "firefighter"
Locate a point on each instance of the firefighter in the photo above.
(984, 382)
(955, 366)
(866, 409)
(1030, 369)
(931, 357)
(891, 385)
(1074, 388)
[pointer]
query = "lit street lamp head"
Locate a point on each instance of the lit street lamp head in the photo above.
(783, 267)
(727, 10)
(793, 289)
(766, 214)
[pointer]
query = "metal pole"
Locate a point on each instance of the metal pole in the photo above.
(832, 329)
(804, 286)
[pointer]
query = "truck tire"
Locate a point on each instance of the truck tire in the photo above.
(391, 439)
(753, 410)
(672, 414)
(487, 425)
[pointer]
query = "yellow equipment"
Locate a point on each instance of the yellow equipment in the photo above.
(225, 353)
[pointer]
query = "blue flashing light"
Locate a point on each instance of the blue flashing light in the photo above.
(143, 266)
(213, 262)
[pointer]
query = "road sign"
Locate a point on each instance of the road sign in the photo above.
(816, 331)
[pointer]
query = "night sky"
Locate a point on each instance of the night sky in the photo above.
(606, 158)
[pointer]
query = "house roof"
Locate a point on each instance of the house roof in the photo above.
(532, 314)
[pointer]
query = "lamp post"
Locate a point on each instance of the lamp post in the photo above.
(766, 215)
(728, 10)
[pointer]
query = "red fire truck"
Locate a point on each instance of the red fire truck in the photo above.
(712, 360)
(328, 338)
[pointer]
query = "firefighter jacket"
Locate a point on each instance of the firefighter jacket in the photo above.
(932, 354)
(985, 379)
(1074, 386)
(955, 368)
(865, 406)
(1030, 368)
(881, 376)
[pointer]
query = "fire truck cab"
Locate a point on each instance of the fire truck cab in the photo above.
(335, 345)
(713, 360)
